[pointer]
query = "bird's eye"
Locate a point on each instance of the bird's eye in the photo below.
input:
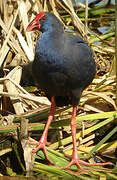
(43, 18)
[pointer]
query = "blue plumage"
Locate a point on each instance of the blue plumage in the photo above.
(63, 64)
(63, 67)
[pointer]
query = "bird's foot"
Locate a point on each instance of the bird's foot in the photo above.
(41, 145)
(78, 162)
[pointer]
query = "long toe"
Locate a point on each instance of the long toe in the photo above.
(94, 164)
(34, 143)
(79, 162)
(41, 145)
(48, 143)
(68, 156)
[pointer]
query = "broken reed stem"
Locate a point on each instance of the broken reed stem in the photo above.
(116, 45)
(24, 45)
(8, 35)
(86, 17)
(24, 128)
(41, 100)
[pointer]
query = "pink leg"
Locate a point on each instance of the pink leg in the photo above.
(43, 141)
(75, 159)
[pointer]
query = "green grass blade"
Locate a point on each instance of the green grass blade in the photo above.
(102, 142)
(87, 131)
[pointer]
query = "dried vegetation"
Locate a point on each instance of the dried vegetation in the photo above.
(21, 108)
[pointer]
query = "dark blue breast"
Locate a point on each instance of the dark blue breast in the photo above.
(63, 67)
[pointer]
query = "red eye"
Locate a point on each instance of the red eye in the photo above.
(43, 18)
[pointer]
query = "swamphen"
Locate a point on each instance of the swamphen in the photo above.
(63, 67)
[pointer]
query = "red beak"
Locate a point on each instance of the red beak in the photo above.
(35, 25)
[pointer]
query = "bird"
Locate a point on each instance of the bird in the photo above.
(63, 67)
